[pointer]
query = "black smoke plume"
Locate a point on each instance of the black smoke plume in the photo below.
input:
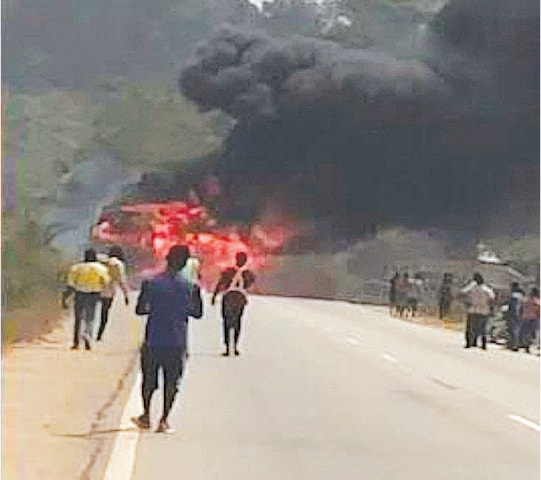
(356, 135)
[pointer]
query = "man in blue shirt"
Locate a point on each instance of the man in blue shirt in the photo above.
(168, 300)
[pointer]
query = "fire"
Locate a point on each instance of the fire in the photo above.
(156, 226)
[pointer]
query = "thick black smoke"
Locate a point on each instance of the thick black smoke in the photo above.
(250, 75)
(360, 136)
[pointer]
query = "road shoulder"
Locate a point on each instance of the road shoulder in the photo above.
(61, 408)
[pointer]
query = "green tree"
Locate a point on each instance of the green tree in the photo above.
(152, 125)
(44, 134)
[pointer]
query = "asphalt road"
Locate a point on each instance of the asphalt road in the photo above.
(330, 390)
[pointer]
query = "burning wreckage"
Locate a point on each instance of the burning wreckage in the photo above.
(147, 230)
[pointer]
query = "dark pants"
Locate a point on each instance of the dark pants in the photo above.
(528, 330)
(515, 326)
(445, 307)
(392, 301)
(410, 303)
(85, 308)
(105, 307)
(476, 326)
(233, 305)
(171, 361)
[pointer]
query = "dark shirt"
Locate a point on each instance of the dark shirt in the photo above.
(444, 294)
(248, 279)
(166, 300)
(516, 304)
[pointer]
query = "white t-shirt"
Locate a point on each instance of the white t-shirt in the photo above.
(117, 272)
(479, 298)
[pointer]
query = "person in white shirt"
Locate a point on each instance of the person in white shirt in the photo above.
(117, 271)
(479, 299)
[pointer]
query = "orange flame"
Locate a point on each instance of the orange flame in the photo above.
(157, 226)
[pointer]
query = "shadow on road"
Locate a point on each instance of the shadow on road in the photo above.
(206, 354)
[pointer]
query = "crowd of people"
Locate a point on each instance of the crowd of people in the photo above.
(168, 299)
(171, 297)
(479, 300)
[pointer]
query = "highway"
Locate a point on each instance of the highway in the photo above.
(336, 391)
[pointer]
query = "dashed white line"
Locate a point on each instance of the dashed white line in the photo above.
(525, 421)
(353, 341)
(389, 358)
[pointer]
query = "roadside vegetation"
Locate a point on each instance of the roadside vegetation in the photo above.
(147, 125)
(29, 278)
(152, 126)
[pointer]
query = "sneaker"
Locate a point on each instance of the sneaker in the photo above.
(237, 353)
(87, 344)
(225, 354)
(143, 421)
(163, 427)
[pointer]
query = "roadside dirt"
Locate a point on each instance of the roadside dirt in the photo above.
(60, 408)
(30, 323)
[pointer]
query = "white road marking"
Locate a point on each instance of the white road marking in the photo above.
(122, 460)
(389, 358)
(353, 341)
(525, 421)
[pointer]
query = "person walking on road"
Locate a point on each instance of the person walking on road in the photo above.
(515, 308)
(86, 281)
(530, 323)
(479, 298)
(392, 293)
(445, 295)
(168, 300)
(116, 267)
(234, 282)
(403, 294)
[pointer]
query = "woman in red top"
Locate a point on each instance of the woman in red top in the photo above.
(530, 319)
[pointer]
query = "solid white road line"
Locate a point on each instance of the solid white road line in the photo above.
(525, 421)
(122, 460)
(389, 358)
(353, 341)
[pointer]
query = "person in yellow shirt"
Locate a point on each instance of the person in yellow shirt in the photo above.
(86, 281)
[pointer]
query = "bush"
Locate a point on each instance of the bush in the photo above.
(29, 267)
